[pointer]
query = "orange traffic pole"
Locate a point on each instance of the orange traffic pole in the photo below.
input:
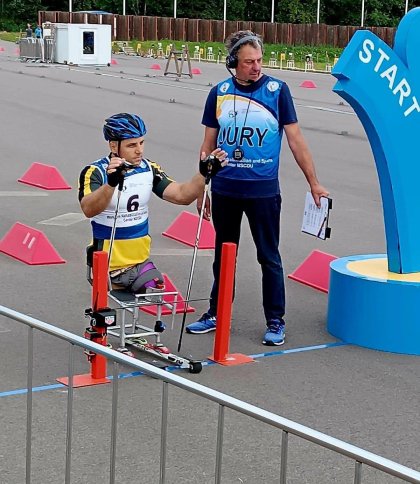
(224, 310)
(100, 315)
(100, 280)
(224, 301)
(99, 301)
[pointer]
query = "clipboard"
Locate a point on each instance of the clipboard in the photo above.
(315, 219)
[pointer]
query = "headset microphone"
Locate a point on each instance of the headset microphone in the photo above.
(249, 81)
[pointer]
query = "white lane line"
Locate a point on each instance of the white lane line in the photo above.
(64, 220)
(129, 78)
(190, 88)
(330, 110)
(23, 194)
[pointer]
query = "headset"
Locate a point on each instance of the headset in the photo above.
(232, 57)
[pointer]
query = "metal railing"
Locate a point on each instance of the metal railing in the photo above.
(36, 50)
(358, 455)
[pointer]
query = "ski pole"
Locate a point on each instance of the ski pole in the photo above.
(114, 227)
(197, 239)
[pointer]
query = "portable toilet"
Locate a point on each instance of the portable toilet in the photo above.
(82, 44)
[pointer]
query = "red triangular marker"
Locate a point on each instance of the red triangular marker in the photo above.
(314, 270)
(180, 306)
(44, 176)
(308, 84)
(184, 230)
(29, 245)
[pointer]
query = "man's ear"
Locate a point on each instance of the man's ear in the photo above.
(113, 147)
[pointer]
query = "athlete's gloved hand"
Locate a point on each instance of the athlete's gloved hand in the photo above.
(116, 170)
(210, 165)
(116, 177)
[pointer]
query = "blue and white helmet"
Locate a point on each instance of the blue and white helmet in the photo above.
(124, 126)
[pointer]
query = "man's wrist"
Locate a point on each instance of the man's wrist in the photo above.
(313, 182)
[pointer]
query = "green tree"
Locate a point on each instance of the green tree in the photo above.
(296, 11)
(236, 9)
(377, 12)
(21, 11)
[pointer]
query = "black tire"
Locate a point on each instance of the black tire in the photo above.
(196, 367)
(160, 327)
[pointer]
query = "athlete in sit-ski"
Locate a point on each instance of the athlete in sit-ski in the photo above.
(126, 178)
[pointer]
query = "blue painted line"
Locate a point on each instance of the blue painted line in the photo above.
(23, 391)
(133, 374)
(299, 350)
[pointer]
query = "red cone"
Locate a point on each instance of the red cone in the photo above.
(44, 176)
(308, 84)
(314, 270)
(184, 230)
(29, 246)
(180, 307)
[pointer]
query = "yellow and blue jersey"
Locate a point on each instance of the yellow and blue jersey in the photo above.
(132, 240)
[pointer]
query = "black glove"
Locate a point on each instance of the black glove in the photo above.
(210, 166)
(117, 177)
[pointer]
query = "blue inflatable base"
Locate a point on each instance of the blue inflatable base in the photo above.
(374, 309)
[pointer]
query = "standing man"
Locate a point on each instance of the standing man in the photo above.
(38, 32)
(115, 191)
(246, 115)
(29, 30)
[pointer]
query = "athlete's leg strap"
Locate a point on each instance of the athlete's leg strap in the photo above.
(139, 277)
(147, 276)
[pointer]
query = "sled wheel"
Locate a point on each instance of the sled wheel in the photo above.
(196, 367)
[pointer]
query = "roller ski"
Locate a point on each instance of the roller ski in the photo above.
(145, 344)
(162, 352)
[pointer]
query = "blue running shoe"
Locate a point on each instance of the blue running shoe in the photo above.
(275, 333)
(205, 324)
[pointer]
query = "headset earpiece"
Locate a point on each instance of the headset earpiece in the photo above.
(231, 61)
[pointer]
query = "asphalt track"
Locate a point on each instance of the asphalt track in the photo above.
(53, 114)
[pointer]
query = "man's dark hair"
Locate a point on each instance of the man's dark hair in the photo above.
(236, 37)
(235, 41)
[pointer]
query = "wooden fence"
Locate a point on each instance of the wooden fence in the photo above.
(130, 27)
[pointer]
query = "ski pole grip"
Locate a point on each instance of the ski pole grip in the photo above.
(121, 184)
